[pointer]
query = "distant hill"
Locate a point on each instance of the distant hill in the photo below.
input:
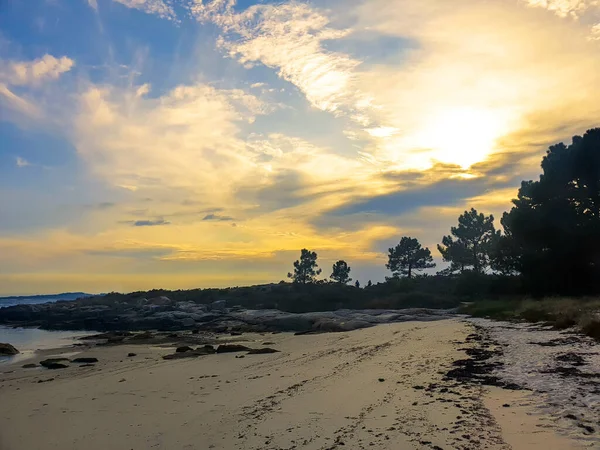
(36, 299)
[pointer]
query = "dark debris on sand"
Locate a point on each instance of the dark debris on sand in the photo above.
(478, 368)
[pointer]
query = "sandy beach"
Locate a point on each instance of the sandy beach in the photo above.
(383, 387)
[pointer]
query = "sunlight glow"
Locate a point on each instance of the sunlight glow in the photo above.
(462, 136)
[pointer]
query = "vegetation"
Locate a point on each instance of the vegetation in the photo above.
(554, 227)
(341, 273)
(469, 244)
(306, 268)
(409, 257)
(560, 313)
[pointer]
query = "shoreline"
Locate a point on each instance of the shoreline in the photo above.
(379, 387)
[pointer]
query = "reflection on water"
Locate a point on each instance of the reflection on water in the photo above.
(28, 340)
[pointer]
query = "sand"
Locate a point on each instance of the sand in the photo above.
(381, 387)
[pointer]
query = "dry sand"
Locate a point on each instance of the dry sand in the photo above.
(380, 387)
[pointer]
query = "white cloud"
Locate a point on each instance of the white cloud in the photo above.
(157, 7)
(21, 162)
(187, 139)
(288, 37)
(564, 8)
(12, 101)
(93, 4)
(32, 73)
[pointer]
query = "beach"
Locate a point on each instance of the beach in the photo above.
(383, 387)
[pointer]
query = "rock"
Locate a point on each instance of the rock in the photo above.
(200, 351)
(131, 355)
(46, 380)
(261, 351)
(122, 380)
(183, 349)
(188, 322)
(29, 366)
(219, 305)
(230, 348)
(85, 360)
(54, 363)
(208, 349)
(8, 350)
(142, 336)
(235, 333)
(381, 380)
(161, 301)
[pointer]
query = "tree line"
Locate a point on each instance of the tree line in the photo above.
(550, 238)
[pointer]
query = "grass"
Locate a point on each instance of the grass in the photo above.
(561, 313)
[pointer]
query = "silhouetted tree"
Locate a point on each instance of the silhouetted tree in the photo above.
(470, 243)
(306, 268)
(341, 272)
(408, 257)
(369, 283)
(504, 258)
(554, 225)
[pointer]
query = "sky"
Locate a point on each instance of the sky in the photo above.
(203, 143)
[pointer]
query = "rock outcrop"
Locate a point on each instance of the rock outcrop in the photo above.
(8, 350)
(162, 314)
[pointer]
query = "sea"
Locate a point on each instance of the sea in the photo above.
(30, 340)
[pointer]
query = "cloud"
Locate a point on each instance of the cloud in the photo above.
(185, 139)
(35, 72)
(565, 8)
(157, 7)
(288, 37)
(150, 223)
(218, 218)
(93, 4)
(22, 162)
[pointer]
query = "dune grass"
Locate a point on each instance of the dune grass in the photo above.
(561, 313)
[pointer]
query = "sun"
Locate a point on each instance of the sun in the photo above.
(461, 136)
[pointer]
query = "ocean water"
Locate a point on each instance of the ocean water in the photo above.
(38, 299)
(29, 340)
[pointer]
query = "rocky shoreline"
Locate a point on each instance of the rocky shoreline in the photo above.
(163, 314)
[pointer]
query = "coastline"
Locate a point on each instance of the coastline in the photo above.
(378, 387)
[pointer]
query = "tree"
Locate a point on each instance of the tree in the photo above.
(470, 243)
(306, 268)
(341, 273)
(504, 257)
(408, 257)
(554, 225)
(369, 283)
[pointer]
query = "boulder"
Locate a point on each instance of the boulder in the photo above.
(85, 360)
(29, 366)
(188, 322)
(183, 349)
(160, 301)
(200, 351)
(219, 305)
(8, 350)
(231, 348)
(54, 363)
(261, 351)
